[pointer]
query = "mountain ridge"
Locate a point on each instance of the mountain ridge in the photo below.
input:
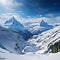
(17, 27)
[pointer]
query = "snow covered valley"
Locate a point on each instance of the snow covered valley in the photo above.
(30, 42)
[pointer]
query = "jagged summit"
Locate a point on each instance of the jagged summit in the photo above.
(45, 24)
(14, 25)
(11, 21)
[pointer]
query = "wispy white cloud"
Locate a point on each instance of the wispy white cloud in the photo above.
(34, 19)
(3, 17)
(57, 18)
(50, 15)
(10, 4)
(47, 19)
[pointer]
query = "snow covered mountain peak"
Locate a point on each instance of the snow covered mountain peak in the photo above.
(45, 24)
(14, 25)
(12, 21)
(37, 28)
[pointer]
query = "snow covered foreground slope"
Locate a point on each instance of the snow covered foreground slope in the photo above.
(43, 41)
(14, 25)
(11, 41)
(38, 44)
(5, 55)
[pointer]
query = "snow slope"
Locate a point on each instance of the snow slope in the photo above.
(43, 41)
(14, 25)
(5, 55)
(11, 41)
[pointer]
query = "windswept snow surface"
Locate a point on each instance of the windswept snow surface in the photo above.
(44, 40)
(5, 55)
(11, 41)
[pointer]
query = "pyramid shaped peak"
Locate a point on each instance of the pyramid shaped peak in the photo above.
(12, 17)
(43, 21)
(45, 24)
(11, 20)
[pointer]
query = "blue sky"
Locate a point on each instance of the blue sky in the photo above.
(31, 8)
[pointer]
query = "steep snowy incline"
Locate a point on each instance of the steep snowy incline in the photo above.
(37, 28)
(11, 41)
(14, 25)
(44, 40)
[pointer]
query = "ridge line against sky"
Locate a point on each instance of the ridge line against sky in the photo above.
(31, 9)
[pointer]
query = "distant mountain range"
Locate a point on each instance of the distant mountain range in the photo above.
(37, 28)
